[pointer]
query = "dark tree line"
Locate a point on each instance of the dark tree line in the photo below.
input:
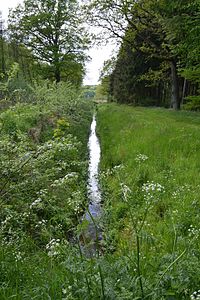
(159, 58)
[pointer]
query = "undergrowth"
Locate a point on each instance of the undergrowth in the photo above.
(43, 167)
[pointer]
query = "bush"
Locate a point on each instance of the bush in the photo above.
(193, 103)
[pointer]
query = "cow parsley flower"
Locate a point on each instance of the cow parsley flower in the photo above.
(193, 231)
(53, 247)
(141, 158)
(41, 223)
(152, 187)
(195, 295)
(126, 191)
(36, 202)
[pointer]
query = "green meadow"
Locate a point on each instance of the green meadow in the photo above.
(150, 183)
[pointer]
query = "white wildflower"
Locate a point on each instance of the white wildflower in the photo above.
(18, 256)
(195, 295)
(41, 223)
(65, 179)
(53, 247)
(36, 202)
(64, 291)
(118, 167)
(141, 158)
(150, 187)
(125, 190)
(193, 231)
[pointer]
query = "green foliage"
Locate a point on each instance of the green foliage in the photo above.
(191, 74)
(15, 88)
(55, 33)
(103, 89)
(150, 246)
(62, 126)
(157, 38)
(43, 189)
(139, 80)
(89, 91)
(181, 18)
(193, 103)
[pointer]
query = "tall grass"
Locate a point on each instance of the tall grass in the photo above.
(150, 179)
(150, 190)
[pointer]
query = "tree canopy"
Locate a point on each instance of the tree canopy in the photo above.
(53, 30)
(154, 30)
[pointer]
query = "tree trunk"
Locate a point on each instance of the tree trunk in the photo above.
(175, 100)
(57, 74)
(184, 89)
(3, 67)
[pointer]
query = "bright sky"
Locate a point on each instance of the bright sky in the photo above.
(6, 4)
(98, 55)
(93, 68)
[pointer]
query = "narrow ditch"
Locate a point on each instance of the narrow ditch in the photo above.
(93, 233)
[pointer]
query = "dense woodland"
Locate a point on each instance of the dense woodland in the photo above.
(149, 242)
(159, 58)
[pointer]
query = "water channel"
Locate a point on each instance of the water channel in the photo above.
(93, 212)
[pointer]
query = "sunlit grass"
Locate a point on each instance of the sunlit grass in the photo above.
(153, 146)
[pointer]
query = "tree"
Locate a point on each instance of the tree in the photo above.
(52, 29)
(139, 79)
(144, 26)
(3, 67)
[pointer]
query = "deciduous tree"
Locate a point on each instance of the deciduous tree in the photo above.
(52, 29)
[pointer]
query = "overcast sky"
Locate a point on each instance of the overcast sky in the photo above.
(98, 55)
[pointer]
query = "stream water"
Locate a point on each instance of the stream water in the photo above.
(93, 184)
(93, 213)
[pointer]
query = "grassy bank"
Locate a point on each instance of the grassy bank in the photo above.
(43, 168)
(150, 179)
(150, 188)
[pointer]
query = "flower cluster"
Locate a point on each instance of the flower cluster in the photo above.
(65, 179)
(36, 202)
(125, 191)
(42, 192)
(18, 256)
(53, 247)
(6, 221)
(151, 191)
(112, 171)
(67, 293)
(193, 231)
(118, 167)
(195, 295)
(152, 187)
(181, 191)
(141, 158)
(76, 200)
(41, 223)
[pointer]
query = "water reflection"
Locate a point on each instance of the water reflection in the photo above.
(93, 184)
